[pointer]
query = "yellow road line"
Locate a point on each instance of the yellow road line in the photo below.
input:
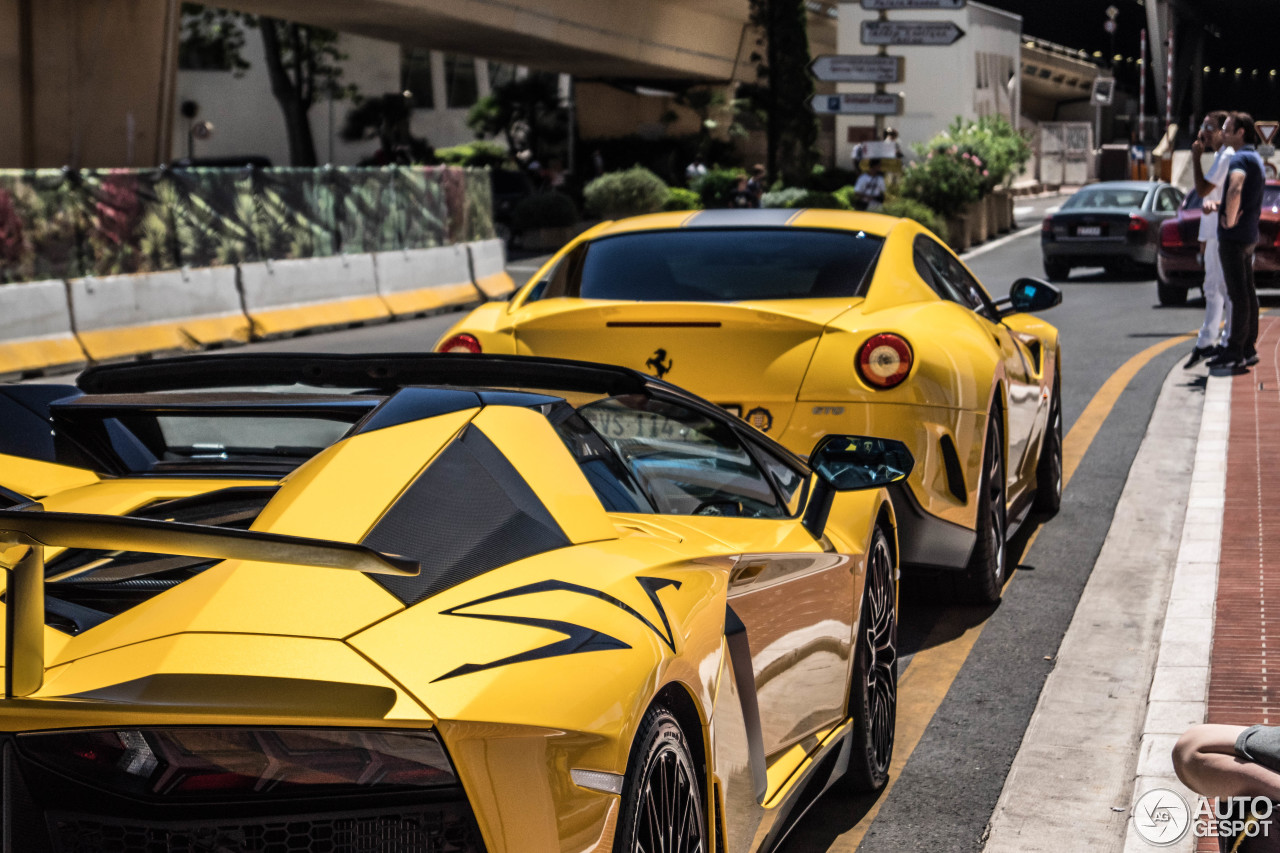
(926, 680)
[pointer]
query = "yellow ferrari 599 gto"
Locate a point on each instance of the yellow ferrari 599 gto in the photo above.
(809, 323)
(431, 604)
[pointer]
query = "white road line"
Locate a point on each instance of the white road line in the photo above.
(996, 244)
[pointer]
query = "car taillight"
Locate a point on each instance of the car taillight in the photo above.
(1137, 224)
(211, 762)
(1046, 227)
(884, 360)
(1170, 235)
(461, 343)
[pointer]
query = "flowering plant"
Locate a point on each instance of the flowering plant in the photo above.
(946, 179)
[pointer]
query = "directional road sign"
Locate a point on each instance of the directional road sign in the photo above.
(883, 5)
(857, 69)
(858, 103)
(910, 32)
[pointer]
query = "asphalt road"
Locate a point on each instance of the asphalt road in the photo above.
(943, 797)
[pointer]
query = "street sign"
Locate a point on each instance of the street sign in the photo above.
(858, 104)
(885, 5)
(1103, 90)
(857, 69)
(911, 32)
(1266, 130)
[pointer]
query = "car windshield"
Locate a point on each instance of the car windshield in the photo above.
(1114, 197)
(713, 265)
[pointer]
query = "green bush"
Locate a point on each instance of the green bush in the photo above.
(544, 210)
(478, 154)
(1002, 149)
(717, 187)
(629, 193)
(847, 196)
(907, 208)
(830, 180)
(818, 200)
(678, 198)
(782, 198)
(946, 179)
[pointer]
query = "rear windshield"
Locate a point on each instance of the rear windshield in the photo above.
(709, 265)
(1102, 197)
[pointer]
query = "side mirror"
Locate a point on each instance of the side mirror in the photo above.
(846, 463)
(1029, 295)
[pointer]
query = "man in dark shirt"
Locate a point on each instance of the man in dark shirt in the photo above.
(1241, 207)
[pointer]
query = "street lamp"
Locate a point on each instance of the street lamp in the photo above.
(1110, 26)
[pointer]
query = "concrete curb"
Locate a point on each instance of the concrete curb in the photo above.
(1071, 785)
(36, 330)
(489, 269)
(1180, 688)
(415, 281)
(124, 315)
(282, 297)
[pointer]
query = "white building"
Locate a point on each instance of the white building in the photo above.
(247, 119)
(978, 75)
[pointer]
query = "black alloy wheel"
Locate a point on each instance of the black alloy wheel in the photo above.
(986, 572)
(1049, 467)
(662, 801)
(873, 699)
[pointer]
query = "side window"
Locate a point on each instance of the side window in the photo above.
(950, 279)
(789, 479)
(1168, 201)
(687, 463)
(612, 482)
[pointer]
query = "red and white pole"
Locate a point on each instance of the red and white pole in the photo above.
(1142, 89)
(1168, 84)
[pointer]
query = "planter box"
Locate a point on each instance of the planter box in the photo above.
(958, 233)
(976, 214)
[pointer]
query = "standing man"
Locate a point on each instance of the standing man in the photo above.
(1217, 305)
(1241, 207)
(869, 190)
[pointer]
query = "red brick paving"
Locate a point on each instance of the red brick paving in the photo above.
(1249, 567)
(1249, 560)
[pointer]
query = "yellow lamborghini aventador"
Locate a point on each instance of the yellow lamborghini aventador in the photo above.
(381, 604)
(809, 323)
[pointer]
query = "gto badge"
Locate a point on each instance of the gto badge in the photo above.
(828, 410)
(657, 365)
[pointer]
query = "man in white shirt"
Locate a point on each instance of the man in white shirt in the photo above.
(869, 189)
(1217, 305)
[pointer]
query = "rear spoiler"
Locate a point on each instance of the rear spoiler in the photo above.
(31, 528)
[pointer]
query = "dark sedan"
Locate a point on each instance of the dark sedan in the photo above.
(1115, 224)
(1180, 266)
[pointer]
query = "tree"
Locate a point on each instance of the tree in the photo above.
(784, 88)
(386, 118)
(303, 63)
(527, 113)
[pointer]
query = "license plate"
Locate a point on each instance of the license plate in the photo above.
(1089, 231)
(627, 424)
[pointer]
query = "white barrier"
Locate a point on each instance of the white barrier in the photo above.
(35, 328)
(122, 315)
(287, 296)
(417, 280)
(489, 268)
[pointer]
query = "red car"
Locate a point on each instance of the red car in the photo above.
(1179, 266)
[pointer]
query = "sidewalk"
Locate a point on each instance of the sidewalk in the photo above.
(1171, 628)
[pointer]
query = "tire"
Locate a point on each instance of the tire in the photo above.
(1056, 270)
(985, 574)
(1171, 295)
(873, 694)
(1049, 466)
(662, 799)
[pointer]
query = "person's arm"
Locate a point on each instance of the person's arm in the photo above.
(1231, 199)
(1203, 187)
